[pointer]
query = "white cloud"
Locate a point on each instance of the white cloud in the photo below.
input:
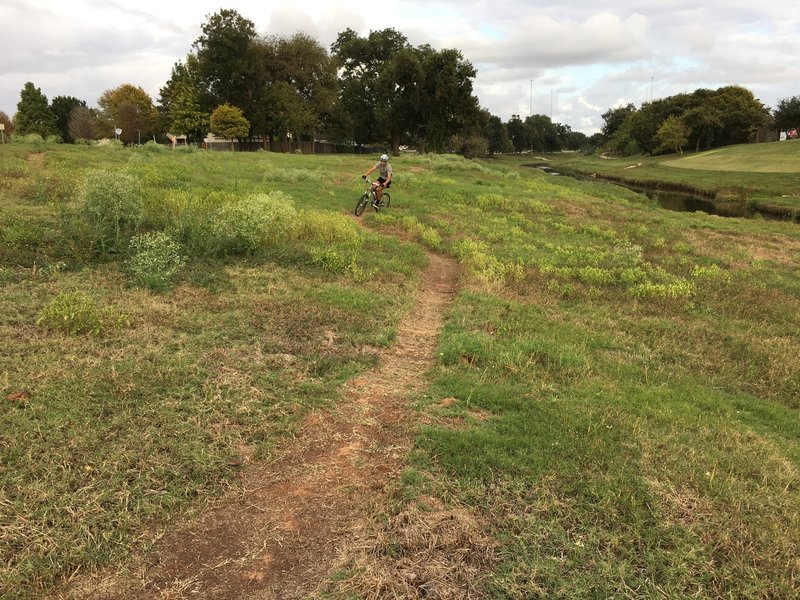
(589, 56)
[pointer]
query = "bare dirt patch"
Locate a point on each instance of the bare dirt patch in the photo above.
(283, 530)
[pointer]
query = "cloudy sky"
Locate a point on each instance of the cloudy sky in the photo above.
(571, 60)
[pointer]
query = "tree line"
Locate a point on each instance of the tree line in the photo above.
(376, 89)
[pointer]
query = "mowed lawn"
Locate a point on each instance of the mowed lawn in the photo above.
(781, 157)
(613, 412)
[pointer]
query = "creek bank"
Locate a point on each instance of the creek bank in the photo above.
(682, 197)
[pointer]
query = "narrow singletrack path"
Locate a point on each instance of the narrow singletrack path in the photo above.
(279, 536)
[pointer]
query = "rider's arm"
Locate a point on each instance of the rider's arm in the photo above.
(371, 169)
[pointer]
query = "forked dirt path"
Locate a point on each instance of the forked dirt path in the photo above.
(279, 537)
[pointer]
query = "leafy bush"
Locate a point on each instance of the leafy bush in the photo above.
(254, 223)
(113, 207)
(73, 313)
(156, 259)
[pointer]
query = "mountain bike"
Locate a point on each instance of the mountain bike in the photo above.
(371, 196)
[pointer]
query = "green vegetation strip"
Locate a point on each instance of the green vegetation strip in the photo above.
(615, 400)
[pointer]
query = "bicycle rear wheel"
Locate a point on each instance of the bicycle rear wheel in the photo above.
(386, 200)
(362, 204)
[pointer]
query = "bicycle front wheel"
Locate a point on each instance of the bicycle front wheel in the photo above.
(362, 204)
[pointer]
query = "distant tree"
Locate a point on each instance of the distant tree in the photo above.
(447, 104)
(787, 114)
(9, 125)
(622, 141)
(131, 109)
(33, 113)
(62, 107)
(229, 122)
(741, 114)
(228, 64)
(181, 102)
(614, 117)
(496, 134)
(363, 102)
(299, 88)
(703, 121)
(84, 125)
(519, 133)
(672, 135)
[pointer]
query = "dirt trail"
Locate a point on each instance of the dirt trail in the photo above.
(280, 535)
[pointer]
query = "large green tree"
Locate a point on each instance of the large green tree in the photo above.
(131, 109)
(672, 135)
(62, 107)
(181, 102)
(229, 122)
(392, 92)
(33, 113)
(84, 124)
(299, 87)
(787, 114)
(8, 125)
(363, 102)
(228, 65)
(613, 119)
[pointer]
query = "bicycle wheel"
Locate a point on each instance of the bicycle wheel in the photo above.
(362, 204)
(386, 200)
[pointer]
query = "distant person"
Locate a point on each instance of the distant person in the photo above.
(384, 181)
(792, 134)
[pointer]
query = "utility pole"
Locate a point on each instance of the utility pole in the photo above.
(652, 77)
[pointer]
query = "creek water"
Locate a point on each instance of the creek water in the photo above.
(676, 201)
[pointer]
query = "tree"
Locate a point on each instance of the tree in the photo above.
(672, 135)
(228, 121)
(519, 133)
(228, 64)
(8, 123)
(299, 86)
(703, 121)
(181, 101)
(363, 102)
(84, 125)
(33, 113)
(787, 114)
(447, 103)
(130, 108)
(741, 113)
(181, 108)
(497, 135)
(62, 107)
(613, 119)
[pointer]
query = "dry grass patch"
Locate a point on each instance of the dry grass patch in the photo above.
(429, 551)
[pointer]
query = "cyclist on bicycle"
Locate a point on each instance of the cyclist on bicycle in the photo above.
(385, 176)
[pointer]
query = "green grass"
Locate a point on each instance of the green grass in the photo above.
(762, 173)
(622, 381)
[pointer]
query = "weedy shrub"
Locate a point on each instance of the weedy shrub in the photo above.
(494, 201)
(318, 226)
(113, 207)
(288, 175)
(421, 232)
(254, 223)
(76, 313)
(215, 224)
(155, 260)
(710, 272)
(478, 260)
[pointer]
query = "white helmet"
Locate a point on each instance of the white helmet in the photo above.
(384, 157)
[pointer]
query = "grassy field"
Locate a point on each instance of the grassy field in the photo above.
(764, 174)
(615, 402)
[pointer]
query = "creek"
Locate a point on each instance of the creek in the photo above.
(677, 201)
